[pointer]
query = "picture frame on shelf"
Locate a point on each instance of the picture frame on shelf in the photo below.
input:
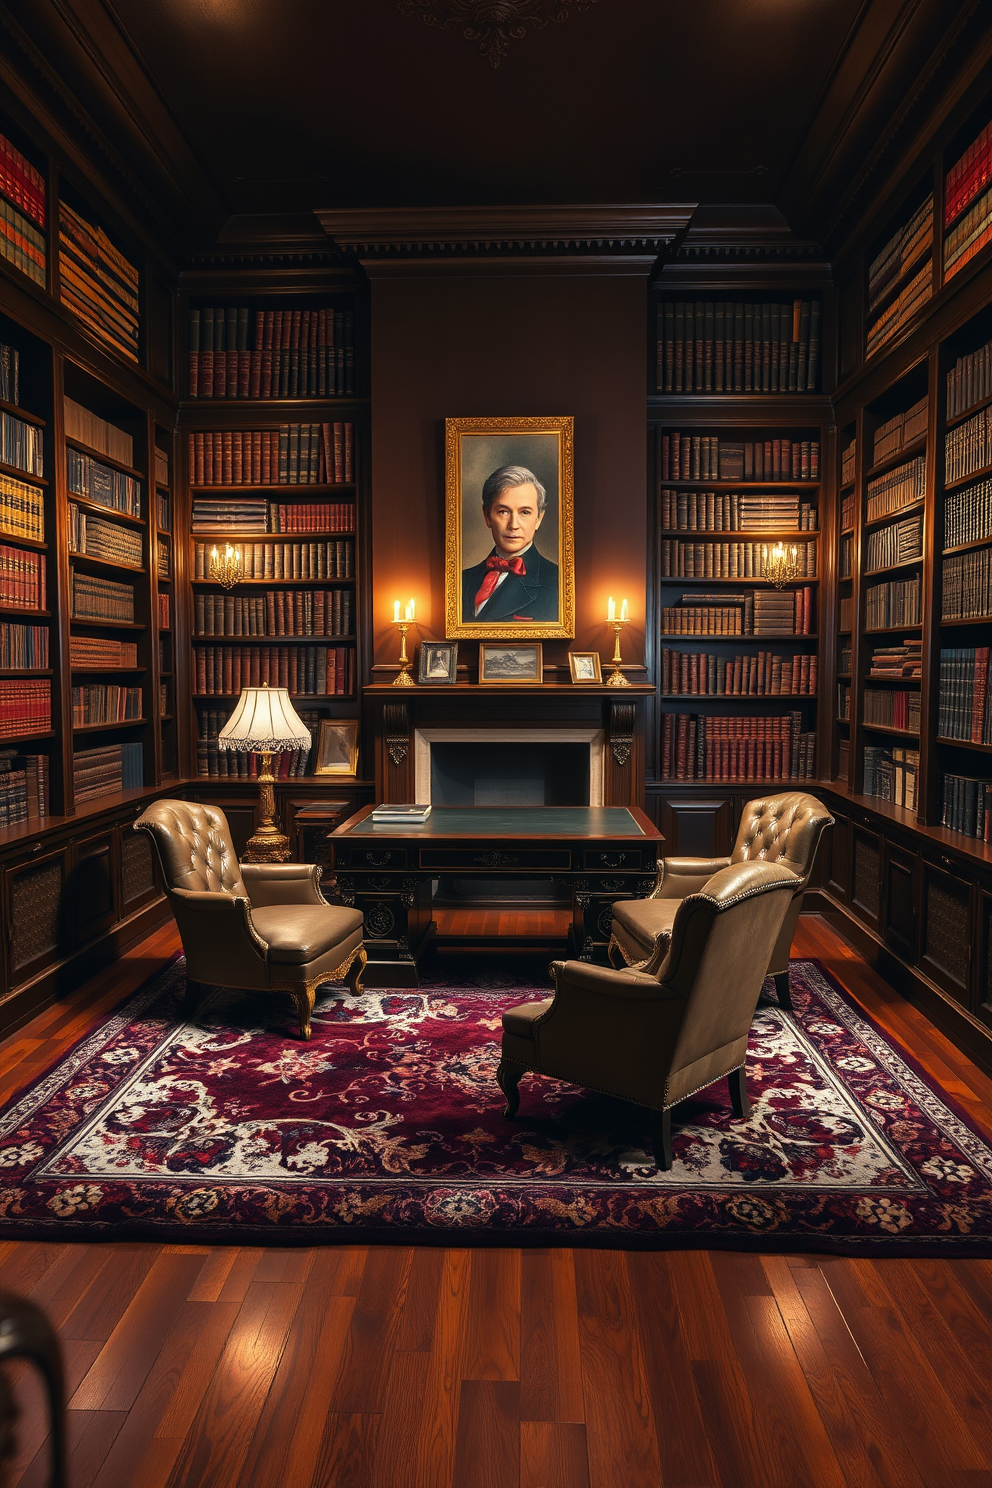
(511, 666)
(585, 666)
(438, 663)
(337, 747)
(509, 547)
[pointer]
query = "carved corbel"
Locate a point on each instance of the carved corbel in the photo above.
(396, 727)
(621, 732)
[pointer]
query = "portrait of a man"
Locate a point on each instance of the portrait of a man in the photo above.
(509, 559)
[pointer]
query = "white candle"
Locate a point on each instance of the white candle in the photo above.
(623, 610)
(611, 610)
(411, 610)
(396, 612)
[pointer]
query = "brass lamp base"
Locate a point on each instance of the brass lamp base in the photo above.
(268, 845)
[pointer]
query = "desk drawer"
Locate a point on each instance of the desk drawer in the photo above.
(480, 859)
(372, 856)
(627, 859)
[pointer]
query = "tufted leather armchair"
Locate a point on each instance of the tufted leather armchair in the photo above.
(263, 926)
(782, 829)
(655, 1038)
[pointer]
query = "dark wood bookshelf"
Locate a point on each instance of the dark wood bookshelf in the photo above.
(22, 475)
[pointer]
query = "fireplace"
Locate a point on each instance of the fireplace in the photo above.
(509, 767)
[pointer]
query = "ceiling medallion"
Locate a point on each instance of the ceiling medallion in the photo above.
(492, 23)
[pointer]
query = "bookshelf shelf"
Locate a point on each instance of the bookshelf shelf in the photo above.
(894, 516)
(737, 697)
(279, 488)
(23, 542)
(21, 610)
(105, 624)
(680, 579)
(104, 459)
(23, 738)
(108, 670)
(87, 559)
(873, 573)
(979, 542)
(106, 511)
(771, 485)
(21, 413)
(971, 620)
(26, 672)
(276, 640)
(736, 640)
(21, 475)
(967, 413)
(964, 744)
(884, 728)
(964, 480)
(750, 534)
(276, 583)
(302, 697)
(119, 723)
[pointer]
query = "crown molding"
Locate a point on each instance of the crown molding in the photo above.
(488, 232)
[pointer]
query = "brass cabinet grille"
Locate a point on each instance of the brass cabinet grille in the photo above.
(946, 921)
(867, 875)
(35, 904)
(137, 867)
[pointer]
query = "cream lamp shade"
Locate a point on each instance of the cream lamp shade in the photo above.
(264, 721)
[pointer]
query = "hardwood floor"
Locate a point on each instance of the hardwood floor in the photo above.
(423, 1368)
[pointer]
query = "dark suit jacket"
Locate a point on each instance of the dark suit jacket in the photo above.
(533, 596)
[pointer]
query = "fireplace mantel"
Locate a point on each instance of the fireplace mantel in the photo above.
(396, 715)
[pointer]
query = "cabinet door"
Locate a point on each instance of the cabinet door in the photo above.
(38, 932)
(985, 961)
(866, 877)
(139, 869)
(900, 911)
(91, 887)
(696, 828)
(946, 932)
(837, 847)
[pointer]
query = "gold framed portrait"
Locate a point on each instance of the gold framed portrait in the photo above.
(509, 546)
(337, 747)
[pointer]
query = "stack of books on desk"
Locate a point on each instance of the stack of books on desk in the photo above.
(394, 815)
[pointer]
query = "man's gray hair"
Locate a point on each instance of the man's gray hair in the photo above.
(511, 475)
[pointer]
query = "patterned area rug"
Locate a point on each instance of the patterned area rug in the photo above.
(388, 1127)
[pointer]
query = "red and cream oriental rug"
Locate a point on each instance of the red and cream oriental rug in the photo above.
(388, 1126)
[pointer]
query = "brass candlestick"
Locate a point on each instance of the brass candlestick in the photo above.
(403, 679)
(616, 677)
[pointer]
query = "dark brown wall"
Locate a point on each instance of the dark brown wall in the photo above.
(449, 344)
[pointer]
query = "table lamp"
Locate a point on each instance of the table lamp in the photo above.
(264, 722)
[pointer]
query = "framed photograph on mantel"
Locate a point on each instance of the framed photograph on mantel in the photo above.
(509, 550)
(509, 666)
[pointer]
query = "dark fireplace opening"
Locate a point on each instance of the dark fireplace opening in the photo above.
(509, 774)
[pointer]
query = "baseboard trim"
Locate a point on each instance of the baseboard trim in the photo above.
(956, 1023)
(25, 1002)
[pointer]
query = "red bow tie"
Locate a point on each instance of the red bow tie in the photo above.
(497, 566)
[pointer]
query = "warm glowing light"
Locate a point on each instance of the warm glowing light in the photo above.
(623, 610)
(781, 568)
(226, 570)
(396, 612)
(611, 610)
(411, 610)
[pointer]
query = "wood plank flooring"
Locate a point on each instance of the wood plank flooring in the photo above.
(398, 1367)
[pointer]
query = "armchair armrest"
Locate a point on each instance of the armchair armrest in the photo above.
(269, 884)
(603, 981)
(679, 877)
(219, 938)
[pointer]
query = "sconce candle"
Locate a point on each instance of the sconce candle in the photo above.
(616, 677)
(404, 679)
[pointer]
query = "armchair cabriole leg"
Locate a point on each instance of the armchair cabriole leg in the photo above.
(508, 1078)
(737, 1080)
(305, 1000)
(614, 955)
(661, 1139)
(782, 988)
(356, 970)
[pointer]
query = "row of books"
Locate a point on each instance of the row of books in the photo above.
(22, 579)
(280, 612)
(22, 509)
(846, 616)
(759, 612)
(108, 541)
(102, 651)
(21, 243)
(848, 507)
(89, 428)
(966, 806)
(287, 560)
(21, 445)
(292, 455)
(215, 763)
(844, 558)
(21, 184)
(256, 514)
(899, 431)
(23, 646)
(968, 514)
(695, 746)
(686, 457)
(102, 484)
(164, 611)
(844, 655)
(965, 710)
(95, 598)
(844, 702)
(319, 671)
(969, 380)
(900, 310)
(10, 370)
(848, 461)
(902, 660)
(728, 560)
(735, 511)
(25, 706)
(892, 708)
(968, 447)
(23, 787)
(163, 558)
(967, 586)
(97, 282)
(273, 354)
(100, 702)
(894, 603)
(895, 544)
(969, 175)
(892, 774)
(895, 489)
(969, 236)
(761, 674)
(900, 253)
(106, 770)
(714, 346)
(164, 511)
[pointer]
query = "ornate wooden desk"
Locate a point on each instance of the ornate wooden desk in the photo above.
(600, 852)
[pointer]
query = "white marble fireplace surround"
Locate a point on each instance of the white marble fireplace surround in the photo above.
(595, 739)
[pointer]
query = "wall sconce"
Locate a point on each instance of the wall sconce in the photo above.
(403, 678)
(781, 567)
(226, 568)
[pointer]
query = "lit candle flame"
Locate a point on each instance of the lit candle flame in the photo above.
(611, 610)
(411, 609)
(396, 612)
(623, 610)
